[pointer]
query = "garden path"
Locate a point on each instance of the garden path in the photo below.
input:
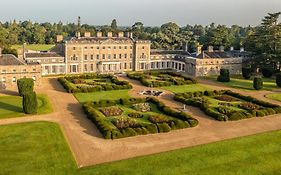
(89, 148)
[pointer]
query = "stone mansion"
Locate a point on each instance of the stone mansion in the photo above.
(121, 53)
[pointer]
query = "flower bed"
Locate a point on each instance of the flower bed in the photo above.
(212, 103)
(92, 82)
(158, 79)
(160, 118)
(111, 111)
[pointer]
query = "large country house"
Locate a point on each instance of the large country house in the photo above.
(116, 54)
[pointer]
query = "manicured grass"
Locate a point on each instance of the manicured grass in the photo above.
(186, 88)
(102, 95)
(36, 47)
(237, 81)
(11, 106)
(35, 148)
(274, 97)
(39, 148)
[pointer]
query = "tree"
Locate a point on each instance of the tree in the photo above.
(114, 25)
(246, 72)
(29, 102)
(258, 83)
(224, 76)
(25, 85)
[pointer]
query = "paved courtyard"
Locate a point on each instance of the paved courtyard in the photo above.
(89, 148)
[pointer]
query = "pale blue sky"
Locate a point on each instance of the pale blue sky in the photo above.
(150, 12)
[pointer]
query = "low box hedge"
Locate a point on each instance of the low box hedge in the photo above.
(109, 131)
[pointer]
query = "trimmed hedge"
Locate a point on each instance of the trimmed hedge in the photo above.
(267, 72)
(247, 72)
(29, 103)
(197, 99)
(25, 85)
(224, 76)
(109, 131)
(144, 78)
(258, 83)
(70, 87)
(278, 79)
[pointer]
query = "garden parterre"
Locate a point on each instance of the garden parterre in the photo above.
(92, 82)
(227, 105)
(135, 116)
(158, 79)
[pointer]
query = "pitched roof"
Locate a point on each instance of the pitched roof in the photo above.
(42, 55)
(214, 54)
(98, 39)
(9, 59)
(171, 52)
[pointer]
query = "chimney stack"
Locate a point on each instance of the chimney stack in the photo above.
(59, 38)
(131, 35)
(120, 34)
(109, 34)
(78, 34)
(221, 48)
(99, 34)
(198, 50)
(87, 34)
(210, 49)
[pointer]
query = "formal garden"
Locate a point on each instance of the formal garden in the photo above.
(92, 83)
(161, 78)
(135, 116)
(227, 105)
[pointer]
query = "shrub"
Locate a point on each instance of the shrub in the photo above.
(122, 123)
(135, 115)
(158, 119)
(30, 104)
(25, 85)
(224, 75)
(258, 83)
(278, 79)
(152, 128)
(111, 111)
(247, 72)
(226, 98)
(163, 127)
(249, 106)
(267, 72)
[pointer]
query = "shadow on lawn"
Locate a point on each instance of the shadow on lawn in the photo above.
(10, 107)
(78, 114)
(9, 92)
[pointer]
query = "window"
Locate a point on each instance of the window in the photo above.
(74, 48)
(131, 55)
(85, 67)
(14, 70)
(142, 66)
(85, 57)
(92, 67)
(98, 57)
(125, 56)
(34, 70)
(131, 47)
(114, 56)
(131, 65)
(92, 48)
(162, 64)
(14, 80)
(4, 79)
(120, 47)
(114, 47)
(3, 71)
(103, 56)
(92, 57)
(108, 47)
(98, 47)
(125, 47)
(103, 47)
(109, 56)
(24, 70)
(74, 68)
(120, 56)
(125, 65)
(142, 47)
(85, 48)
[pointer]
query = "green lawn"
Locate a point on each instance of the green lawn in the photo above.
(274, 96)
(186, 88)
(237, 81)
(36, 47)
(11, 106)
(39, 148)
(102, 95)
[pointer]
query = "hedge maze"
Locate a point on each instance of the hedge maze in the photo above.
(135, 116)
(227, 105)
(92, 83)
(158, 79)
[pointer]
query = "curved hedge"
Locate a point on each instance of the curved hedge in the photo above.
(109, 131)
(72, 88)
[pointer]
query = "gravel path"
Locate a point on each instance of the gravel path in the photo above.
(89, 148)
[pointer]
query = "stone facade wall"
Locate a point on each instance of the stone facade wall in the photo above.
(10, 74)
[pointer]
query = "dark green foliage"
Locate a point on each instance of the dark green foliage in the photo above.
(247, 72)
(267, 72)
(29, 103)
(224, 76)
(258, 83)
(25, 85)
(75, 84)
(278, 79)
(127, 127)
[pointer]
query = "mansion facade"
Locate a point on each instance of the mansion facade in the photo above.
(122, 53)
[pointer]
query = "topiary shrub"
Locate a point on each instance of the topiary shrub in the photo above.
(29, 103)
(278, 79)
(224, 76)
(258, 83)
(267, 72)
(247, 72)
(25, 85)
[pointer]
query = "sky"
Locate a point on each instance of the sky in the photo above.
(150, 12)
